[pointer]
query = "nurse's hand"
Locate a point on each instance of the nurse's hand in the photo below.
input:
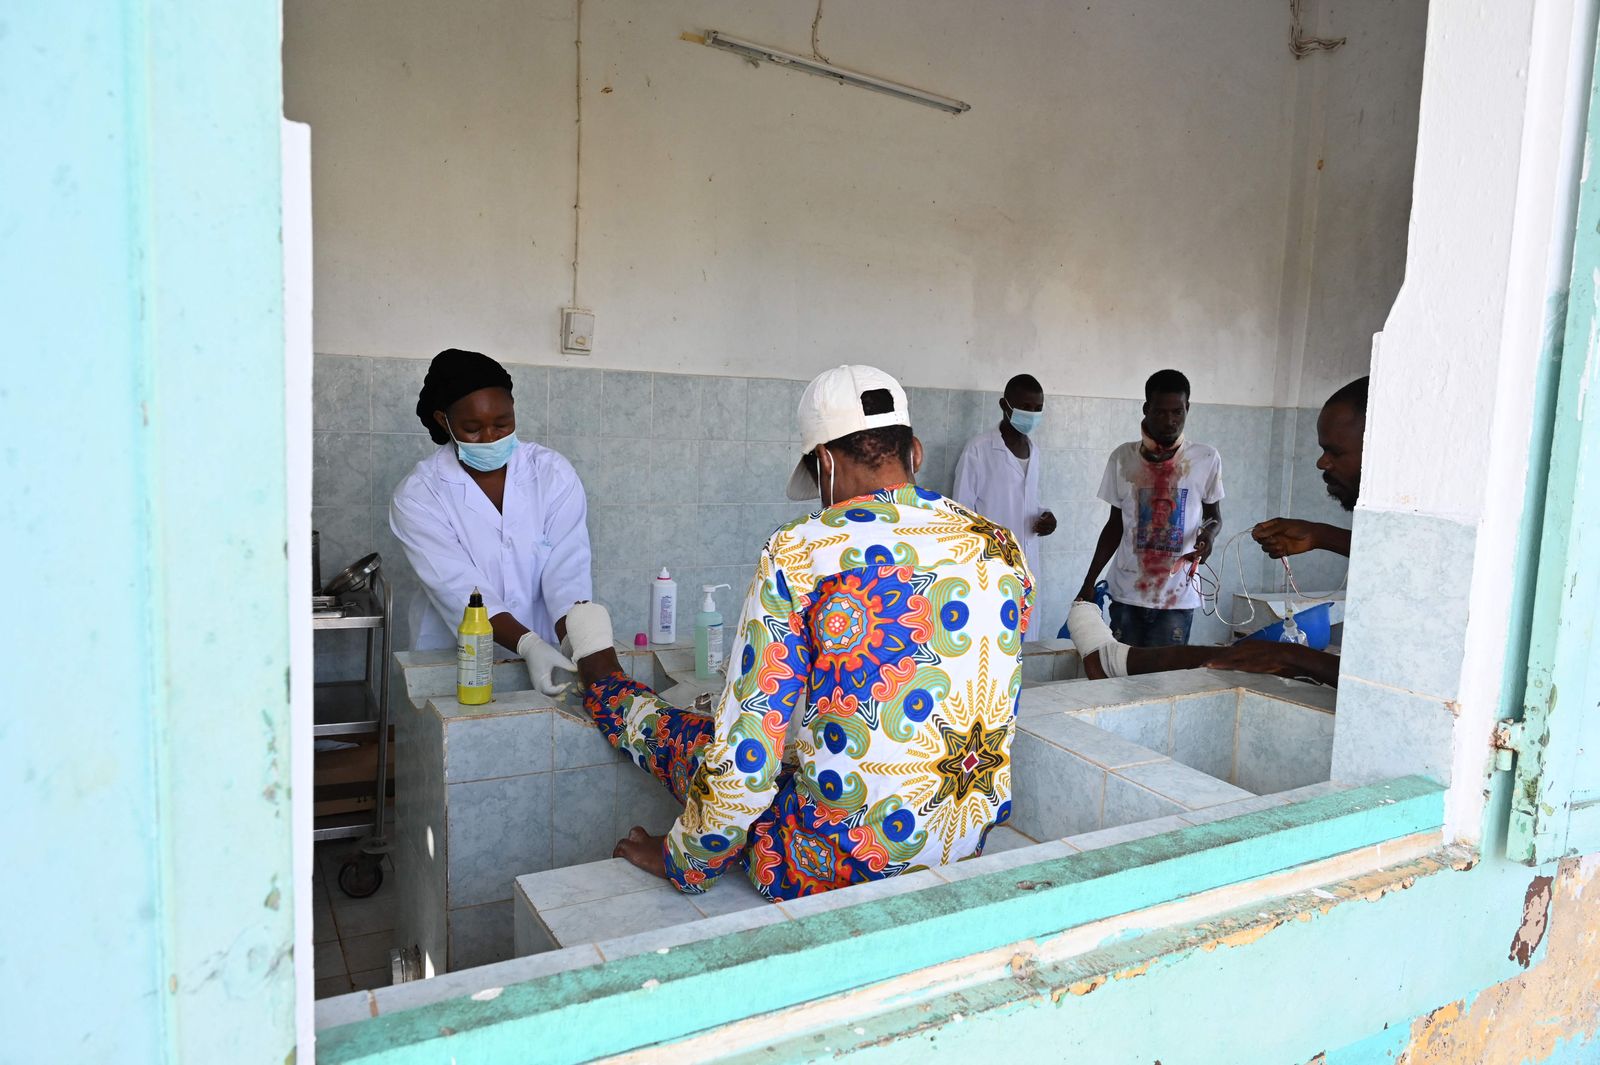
(543, 661)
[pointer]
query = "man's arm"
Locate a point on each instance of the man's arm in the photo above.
(1279, 659)
(1290, 536)
(1104, 548)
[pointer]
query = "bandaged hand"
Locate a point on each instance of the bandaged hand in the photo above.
(543, 661)
(588, 630)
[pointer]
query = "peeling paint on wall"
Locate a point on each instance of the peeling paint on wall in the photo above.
(1555, 1002)
(1535, 921)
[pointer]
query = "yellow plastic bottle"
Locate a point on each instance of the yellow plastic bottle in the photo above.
(475, 654)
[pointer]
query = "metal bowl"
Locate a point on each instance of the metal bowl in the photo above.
(355, 576)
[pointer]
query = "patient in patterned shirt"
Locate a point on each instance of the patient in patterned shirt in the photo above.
(890, 623)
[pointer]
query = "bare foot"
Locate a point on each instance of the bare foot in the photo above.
(642, 849)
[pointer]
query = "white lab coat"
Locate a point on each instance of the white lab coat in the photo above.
(532, 560)
(993, 482)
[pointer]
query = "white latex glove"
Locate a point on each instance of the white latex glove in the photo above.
(588, 630)
(543, 661)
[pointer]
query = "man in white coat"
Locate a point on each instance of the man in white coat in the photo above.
(999, 470)
(490, 512)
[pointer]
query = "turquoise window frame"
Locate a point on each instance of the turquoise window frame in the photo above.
(639, 1001)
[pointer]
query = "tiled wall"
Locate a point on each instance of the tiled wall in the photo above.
(689, 473)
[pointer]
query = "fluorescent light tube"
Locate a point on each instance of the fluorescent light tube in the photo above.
(761, 53)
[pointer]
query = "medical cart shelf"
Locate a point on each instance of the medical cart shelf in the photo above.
(349, 710)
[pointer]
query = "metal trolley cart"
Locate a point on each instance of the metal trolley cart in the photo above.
(358, 598)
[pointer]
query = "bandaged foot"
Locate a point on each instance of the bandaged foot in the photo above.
(1092, 637)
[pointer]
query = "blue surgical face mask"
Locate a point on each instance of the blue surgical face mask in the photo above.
(486, 458)
(1025, 421)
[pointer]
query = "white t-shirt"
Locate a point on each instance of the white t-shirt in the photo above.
(1161, 513)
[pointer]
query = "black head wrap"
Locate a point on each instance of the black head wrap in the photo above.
(452, 374)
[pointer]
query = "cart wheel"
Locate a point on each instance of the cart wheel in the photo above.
(361, 876)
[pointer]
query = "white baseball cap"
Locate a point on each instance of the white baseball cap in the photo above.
(831, 408)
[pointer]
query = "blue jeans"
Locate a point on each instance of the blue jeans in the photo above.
(1141, 626)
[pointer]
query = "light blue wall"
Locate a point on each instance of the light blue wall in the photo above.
(146, 728)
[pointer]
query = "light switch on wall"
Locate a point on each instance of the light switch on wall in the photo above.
(577, 331)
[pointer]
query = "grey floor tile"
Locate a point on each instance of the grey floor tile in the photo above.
(367, 952)
(328, 960)
(330, 986)
(575, 884)
(369, 979)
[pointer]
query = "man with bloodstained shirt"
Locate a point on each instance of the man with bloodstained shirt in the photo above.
(1165, 494)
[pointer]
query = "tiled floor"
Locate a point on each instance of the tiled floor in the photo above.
(352, 936)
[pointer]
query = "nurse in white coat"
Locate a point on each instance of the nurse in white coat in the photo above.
(999, 471)
(491, 512)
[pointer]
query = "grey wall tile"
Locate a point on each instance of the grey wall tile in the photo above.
(1109, 422)
(1203, 731)
(674, 475)
(1383, 733)
(724, 402)
(621, 536)
(677, 544)
(930, 415)
(1087, 741)
(1190, 788)
(345, 534)
(938, 472)
(768, 467)
(970, 413)
(676, 406)
(499, 830)
(341, 397)
(723, 476)
(643, 800)
(581, 814)
(1062, 425)
(477, 748)
(528, 933)
(621, 471)
(587, 456)
(579, 743)
(1127, 802)
(1053, 793)
(1397, 562)
(530, 391)
(1281, 745)
(576, 402)
(341, 469)
(480, 935)
(770, 409)
(395, 384)
(1148, 724)
(629, 403)
(394, 456)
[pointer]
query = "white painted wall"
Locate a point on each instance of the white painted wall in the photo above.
(1351, 175)
(1117, 200)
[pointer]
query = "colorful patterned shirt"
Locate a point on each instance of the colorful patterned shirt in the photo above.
(893, 625)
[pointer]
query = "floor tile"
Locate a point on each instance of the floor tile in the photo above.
(370, 979)
(367, 952)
